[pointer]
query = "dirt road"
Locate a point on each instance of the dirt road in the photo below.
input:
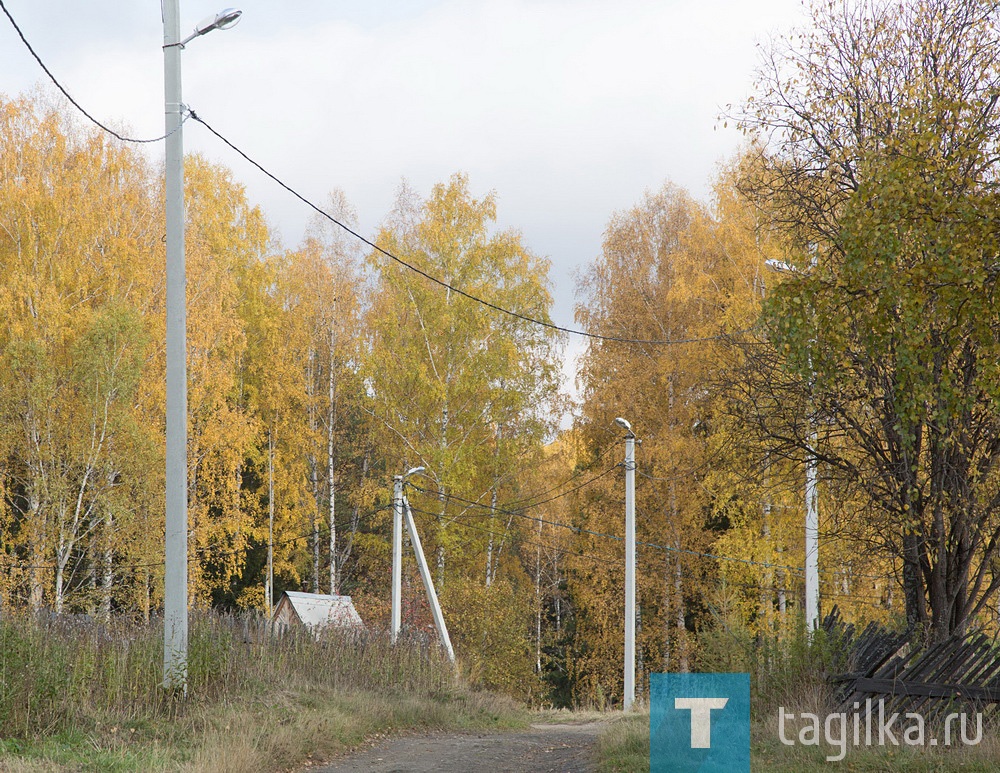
(540, 749)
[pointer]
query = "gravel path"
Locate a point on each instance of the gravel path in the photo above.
(541, 749)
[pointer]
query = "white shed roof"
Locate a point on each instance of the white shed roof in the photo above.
(317, 610)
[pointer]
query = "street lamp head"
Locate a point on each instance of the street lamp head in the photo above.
(414, 471)
(223, 20)
(623, 424)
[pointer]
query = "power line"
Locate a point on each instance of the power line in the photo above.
(667, 548)
(415, 269)
(864, 600)
(563, 551)
(66, 94)
(580, 530)
(515, 508)
(525, 502)
(674, 478)
(569, 491)
(434, 279)
(204, 550)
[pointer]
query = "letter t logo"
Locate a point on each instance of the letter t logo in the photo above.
(701, 718)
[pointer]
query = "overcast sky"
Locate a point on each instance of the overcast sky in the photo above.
(568, 109)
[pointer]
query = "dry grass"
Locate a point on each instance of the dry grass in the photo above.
(570, 717)
(79, 696)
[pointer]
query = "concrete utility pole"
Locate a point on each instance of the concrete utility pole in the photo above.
(425, 573)
(812, 540)
(812, 501)
(175, 596)
(629, 563)
(175, 590)
(397, 555)
(397, 549)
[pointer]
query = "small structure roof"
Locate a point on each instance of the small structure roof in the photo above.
(316, 611)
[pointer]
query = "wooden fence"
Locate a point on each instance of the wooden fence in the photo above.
(959, 674)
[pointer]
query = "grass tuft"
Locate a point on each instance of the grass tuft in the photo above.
(624, 746)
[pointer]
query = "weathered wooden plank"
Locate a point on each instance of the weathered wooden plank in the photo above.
(927, 689)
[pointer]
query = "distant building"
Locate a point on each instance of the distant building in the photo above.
(316, 612)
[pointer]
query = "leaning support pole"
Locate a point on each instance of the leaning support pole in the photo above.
(425, 573)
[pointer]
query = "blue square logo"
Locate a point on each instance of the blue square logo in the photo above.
(699, 723)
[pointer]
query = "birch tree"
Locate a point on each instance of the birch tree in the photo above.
(75, 215)
(459, 389)
(464, 391)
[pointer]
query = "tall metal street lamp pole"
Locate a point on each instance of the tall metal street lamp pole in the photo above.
(175, 592)
(812, 505)
(629, 563)
(397, 549)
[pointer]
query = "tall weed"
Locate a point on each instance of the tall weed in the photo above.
(788, 670)
(63, 672)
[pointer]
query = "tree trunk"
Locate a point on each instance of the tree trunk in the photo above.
(107, 569)
(330, 459)
(35, 587)
(489, 547)
(269, 591)
(682, 656)
(311, 376)
(62, 559)
(668, 595)
(538, 602)
(913, 588)
(767, 594)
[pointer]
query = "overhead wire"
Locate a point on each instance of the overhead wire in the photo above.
(619, 561)
(674, 478)
(590, 532)
(526, 500)
(192, 114)
(555, 549)
(566, 493)
(508, 510)
(69, 96)
(430, 277)
(199, 551)
(447, 285)
(513, 509)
